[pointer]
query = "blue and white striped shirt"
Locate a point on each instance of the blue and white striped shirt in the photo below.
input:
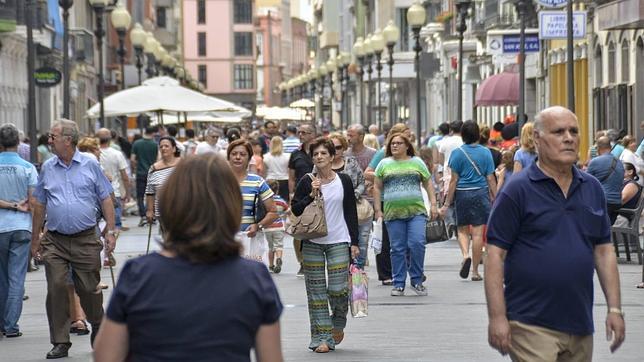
(17, 177)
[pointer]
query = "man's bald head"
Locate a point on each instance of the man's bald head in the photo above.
(603, 145)
(104, 136)
(551, 113)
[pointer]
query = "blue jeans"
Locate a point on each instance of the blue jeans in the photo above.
(118, 211)
(363, 242)
(14, 256)
(407, 239)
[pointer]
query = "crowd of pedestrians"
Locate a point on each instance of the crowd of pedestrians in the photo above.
(501, 198)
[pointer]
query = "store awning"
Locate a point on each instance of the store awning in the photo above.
(499, 90)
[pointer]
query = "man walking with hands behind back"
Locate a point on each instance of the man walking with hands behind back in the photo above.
(547, 233)
(72, 190)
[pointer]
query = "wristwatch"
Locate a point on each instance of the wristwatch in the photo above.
(616, 311)
(112, 232)
(14, 207)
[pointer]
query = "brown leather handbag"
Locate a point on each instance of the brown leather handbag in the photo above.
(311, 224)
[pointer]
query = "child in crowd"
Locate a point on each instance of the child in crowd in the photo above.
(275, 232)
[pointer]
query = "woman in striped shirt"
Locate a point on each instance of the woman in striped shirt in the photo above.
(159, 173)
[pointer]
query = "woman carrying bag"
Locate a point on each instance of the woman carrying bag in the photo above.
(331, 250)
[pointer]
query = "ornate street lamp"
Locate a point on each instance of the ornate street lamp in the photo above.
(121, 21)
(378, 45)
(343, 59)
(391, 34)
(358, 52)
(138, 38)
(289, 93)
(322, 71)
(368, 49)
(416, 18)
(462, 7)
(99, 9)
(313, 74)
(149, 47)
(331, 66)
(159, 53)
(65, 5)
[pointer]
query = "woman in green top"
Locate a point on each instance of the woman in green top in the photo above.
(398, 179)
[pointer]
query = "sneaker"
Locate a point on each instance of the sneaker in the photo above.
(278, 266)
(142, 222)
(271, 269)
(419, 289)
(397, 292)
(300, 273)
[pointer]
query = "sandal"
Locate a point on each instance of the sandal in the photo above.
(477, 278)
(338, 336)
(465, 268)
(81, 331)
(387, 282)
(323, 348)
(640, 286)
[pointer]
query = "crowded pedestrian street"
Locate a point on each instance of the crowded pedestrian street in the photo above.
(449, 325)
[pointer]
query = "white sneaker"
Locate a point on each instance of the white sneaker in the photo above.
(397, 292)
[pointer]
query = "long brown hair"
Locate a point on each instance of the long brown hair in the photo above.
(200, 210)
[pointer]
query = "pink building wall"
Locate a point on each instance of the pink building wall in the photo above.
(219, 59)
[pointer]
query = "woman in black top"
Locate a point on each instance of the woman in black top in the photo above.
(196, 300)
(331, 250)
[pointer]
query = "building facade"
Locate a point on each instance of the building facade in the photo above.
(219, 48)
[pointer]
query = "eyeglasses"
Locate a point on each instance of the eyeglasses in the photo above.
(303, 132)
(397, 143)
(52, 136)
(339, 147)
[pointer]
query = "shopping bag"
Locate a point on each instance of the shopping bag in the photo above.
(359, 286)
(376, 236)
(255, 248)
(435, 231)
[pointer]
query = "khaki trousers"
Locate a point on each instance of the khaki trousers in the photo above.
(81, 252)
(297, 245)
(538, 344)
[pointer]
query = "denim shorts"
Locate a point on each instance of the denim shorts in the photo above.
(472, 206)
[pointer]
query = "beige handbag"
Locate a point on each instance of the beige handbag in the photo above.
(365, 211)
(311, 224)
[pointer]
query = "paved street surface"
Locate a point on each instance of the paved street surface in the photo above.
(448, 325)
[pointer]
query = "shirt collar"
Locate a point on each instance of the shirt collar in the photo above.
(535, 173)
(76, 158)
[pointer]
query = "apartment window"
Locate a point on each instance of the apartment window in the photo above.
(201, 39)
(243, 43)
(625, 62)
(243, 12)
(243, 76)
(161, 17)
(611, 63)
(201, 11)
(202, 74)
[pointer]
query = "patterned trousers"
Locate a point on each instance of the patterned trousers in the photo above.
(323, 294)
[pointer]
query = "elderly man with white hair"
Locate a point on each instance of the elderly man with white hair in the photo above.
(210, 145)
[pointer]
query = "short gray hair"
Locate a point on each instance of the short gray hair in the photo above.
(9, 135)
(358, 128)
(68, 128)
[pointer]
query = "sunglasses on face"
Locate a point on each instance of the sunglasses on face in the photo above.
(339, 148)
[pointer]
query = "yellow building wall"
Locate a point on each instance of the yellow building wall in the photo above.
(559, 97)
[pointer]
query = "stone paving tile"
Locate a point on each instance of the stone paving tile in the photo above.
(448, 325)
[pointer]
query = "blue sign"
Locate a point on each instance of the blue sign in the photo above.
(511, 43)
(553, 3)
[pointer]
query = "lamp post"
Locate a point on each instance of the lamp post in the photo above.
(121, 21)
(378, 45)
(391, 34)
(462, 6)
(358, 52)
(159, 53)
(368, 49)
(322, 71)
(31, 83)
(343, 60)
(138, 37)
(313, 73)
(65, 5)
(416, 18)
(331, 67)
(521, 7)
(148, 47)
(99, 9)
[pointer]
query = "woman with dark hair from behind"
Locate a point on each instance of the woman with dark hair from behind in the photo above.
(196, 300)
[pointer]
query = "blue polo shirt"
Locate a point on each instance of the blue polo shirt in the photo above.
(17, 178)
(612, 179)
(550, 240)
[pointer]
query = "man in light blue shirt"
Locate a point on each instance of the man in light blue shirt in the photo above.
(71, 191)
(18, 178)
(292, 142)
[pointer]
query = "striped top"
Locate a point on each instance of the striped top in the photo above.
(156, 179)
(281, 207)
(252, 185)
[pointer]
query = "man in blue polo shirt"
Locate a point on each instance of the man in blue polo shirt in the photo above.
(609, 171)
(547, 233)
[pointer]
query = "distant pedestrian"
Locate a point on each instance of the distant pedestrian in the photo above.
(609, 171)
(210, 144)
(158, 175)
(505, 171)
(190, 145)
(291, 142)
(196, 300)
(270, 130)
(24, 148)
(547, 234)
(276, 166)
(629, 155)
(115, 166)
(71, 191)
(328, 289)
(399, 179)
(274, 233)
(44, 153)
(472, 189)
(18, 179)
(144, 154)
(527, 154)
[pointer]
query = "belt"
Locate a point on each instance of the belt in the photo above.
(80, 233)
